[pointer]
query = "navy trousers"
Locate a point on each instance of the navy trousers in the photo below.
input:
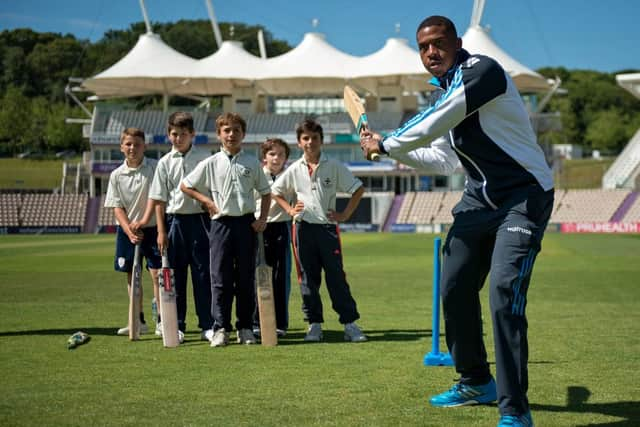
(503, 244)
(233, 266)
(278, 257)
(317, 247)
(189, 248)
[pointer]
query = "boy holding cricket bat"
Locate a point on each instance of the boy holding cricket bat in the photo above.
(127, 195)
(315, 179)
(274, 153)
(182, 223)
(224, 184)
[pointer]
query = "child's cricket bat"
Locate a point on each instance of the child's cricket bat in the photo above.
(134, 296)
(168, 309)
(264, 292)
(354, 106)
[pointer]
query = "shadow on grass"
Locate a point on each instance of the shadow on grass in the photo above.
(337, 336)
(577, 397)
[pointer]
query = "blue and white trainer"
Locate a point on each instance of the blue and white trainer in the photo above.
(463, 394)
(524, 420)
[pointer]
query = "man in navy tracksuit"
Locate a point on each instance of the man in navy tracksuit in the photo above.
(480, 120)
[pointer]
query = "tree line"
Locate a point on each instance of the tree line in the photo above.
(35, 67)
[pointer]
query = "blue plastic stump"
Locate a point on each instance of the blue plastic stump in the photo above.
(435, 357)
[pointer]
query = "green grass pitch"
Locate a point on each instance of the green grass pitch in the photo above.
(583, 323)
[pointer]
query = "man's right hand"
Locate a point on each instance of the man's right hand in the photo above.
(369, 143)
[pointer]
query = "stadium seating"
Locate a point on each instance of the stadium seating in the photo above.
(9, 209)
(633, 214)
(591, 205)
(422, 207)
(53, 210)
(428, 207)
(105, 215)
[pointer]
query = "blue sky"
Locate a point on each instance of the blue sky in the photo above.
(577, 34)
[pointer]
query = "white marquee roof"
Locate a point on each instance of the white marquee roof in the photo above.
(630, 82)
(230, 66)
(395, 64)
(312, 67)
(477, 40)
(151, 66)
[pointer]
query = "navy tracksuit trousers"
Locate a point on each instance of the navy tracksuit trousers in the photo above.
(233, 267)
(317, 247)
(278, 257)
(503, 244)
(189, 247)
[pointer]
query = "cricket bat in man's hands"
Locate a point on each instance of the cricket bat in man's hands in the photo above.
(354, 106)
(168, 308)
(135, 292)
(264, 293)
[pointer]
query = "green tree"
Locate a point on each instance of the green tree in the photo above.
(15, 111)
(596, 113)
(61, 136)
(51, 64)
(607, 131)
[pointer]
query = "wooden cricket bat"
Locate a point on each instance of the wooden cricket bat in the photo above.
(264, 293)
(134, 296)
(354, 106)
(168, 308)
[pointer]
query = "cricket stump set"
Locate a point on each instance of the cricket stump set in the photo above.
(435, 357)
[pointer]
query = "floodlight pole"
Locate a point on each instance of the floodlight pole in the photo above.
(214, 23)
(145, 17)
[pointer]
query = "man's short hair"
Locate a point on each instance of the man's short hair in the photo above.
(441, 21)
(180, 119)
(230, 119)
(309, 126)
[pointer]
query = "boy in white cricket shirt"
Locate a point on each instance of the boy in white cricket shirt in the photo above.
(127, 195)
(316, 179)
(274, 153)
(224, 184)
(183, 225)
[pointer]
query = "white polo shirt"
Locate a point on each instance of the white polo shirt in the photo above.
(318, 190)
(276, 213)
(230, 182)
(129, 189)
(172, 168)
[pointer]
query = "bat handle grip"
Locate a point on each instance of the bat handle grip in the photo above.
(374, 157)
(165, 259)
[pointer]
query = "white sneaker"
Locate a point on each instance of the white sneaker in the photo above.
(245, 336)
(353, 333)
(144, 329)
(159, 329)
(180, 336)
(281, 332)
(314, 334)
(220, 338)
(206, 335)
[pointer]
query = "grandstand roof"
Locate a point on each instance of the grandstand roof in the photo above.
(312, 67)
(477, 40)
(630, 82)
(396, 63)
(150, 67)
(230, 66)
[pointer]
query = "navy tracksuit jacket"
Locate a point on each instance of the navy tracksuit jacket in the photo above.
(499, 223)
